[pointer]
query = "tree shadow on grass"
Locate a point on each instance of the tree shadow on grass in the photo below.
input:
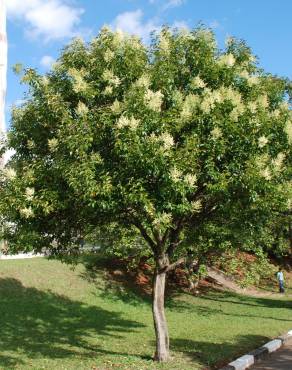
(42, 324)
(114, 282)
(215, 308)
(238, 299)
(216, 355)
(122, 287)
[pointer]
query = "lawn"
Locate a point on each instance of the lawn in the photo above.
(52, 317)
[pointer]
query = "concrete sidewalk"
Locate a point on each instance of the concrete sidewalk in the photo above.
(280, 360)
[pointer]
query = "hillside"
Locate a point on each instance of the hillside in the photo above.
(55, 317)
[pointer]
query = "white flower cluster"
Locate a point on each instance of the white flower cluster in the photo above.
(243, 74)
(143, 81)
(197, 83)
(190, 104)
(17, 112)
(288, 130)
(29, 175)
(190, 179)
(29, 193)
(177, 97)
(184, 33)
(262, 141)
(207, 104)
(227, 93)
(124, 121)
(252, 58)
(275, 113)
(278, 162)
(45, 81)
(252, 106)
(216, 133)
(164, 44)
(108, 55)
(226, 60)
(235, 98)
(236, 112)
(53, 144)
(108, 90)
(118, 37)
(262, 101)
(149, 208)
(9, 173)
(167, 140)
(79, 84)
(162, 220)
(207, 36)
(266, 173)
(81, 109)
(27, 212)
(211, 97)
(175, 174)
(153, 100)
(251, 79)
(30, 144)
(262, 165)
(196, 206)
(53, 100)
(134, 42)
(110, 78)
(116, 107)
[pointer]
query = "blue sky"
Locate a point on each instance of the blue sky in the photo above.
(38, 29)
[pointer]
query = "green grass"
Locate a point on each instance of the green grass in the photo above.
(51, 317)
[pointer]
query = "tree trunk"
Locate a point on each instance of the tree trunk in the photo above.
(290, 234)
(160, 325)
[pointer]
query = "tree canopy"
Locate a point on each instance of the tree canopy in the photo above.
(176, 139)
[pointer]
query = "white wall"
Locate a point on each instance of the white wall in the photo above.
(3, 64)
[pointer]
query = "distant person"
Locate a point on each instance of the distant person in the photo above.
(280, 278)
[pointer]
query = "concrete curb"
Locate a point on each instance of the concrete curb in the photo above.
(244, 362)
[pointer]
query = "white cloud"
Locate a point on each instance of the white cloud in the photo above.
(132, 23)
(169, 3)
(180, 25)
(47, 61)
(15, 103)
(18, 102)
(50, 19)
(8, 154)
(215, 24)
(173, 4)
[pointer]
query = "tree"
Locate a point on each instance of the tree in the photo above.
(174, 140)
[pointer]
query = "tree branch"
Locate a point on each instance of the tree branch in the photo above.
(172, 266)
(175, 237)
(165, 236)
(157, 236)
(145, 235)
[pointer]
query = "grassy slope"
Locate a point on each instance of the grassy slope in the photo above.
(53, 318)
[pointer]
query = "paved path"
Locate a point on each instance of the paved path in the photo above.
(280, 360)
(19, 256)
(228, 283)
